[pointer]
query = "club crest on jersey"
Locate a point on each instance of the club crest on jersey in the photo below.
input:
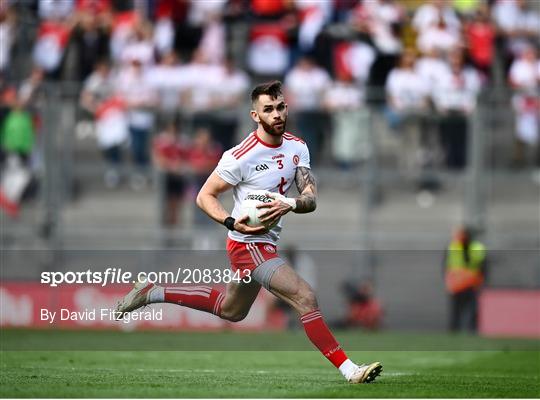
(269, 249)
(296, 159)
(262, 167)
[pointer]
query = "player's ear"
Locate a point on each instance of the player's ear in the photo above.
(255, 116)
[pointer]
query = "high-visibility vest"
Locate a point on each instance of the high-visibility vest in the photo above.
(462, 275)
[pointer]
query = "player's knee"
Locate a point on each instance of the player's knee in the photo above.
(307, 301)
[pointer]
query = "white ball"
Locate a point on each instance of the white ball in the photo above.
(249, 208)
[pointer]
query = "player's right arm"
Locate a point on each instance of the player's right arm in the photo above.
(208, 201)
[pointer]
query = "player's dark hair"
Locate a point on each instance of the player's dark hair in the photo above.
(272, 89)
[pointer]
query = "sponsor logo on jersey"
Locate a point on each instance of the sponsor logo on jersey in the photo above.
(261, 167)
(269, 249)
(280, 155)
(296, 159)
(260, 197)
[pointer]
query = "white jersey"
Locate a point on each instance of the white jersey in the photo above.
(256, 165)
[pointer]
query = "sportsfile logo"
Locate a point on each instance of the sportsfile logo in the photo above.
(260, 197)
(262, 167)
(188, 275)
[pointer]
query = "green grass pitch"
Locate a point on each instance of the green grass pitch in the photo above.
(274, 365)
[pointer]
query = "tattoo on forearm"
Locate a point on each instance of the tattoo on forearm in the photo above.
(304, 178)
(307, 187)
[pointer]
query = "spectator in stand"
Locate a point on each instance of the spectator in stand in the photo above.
(16, 143)
(432, 66)
(172, 15)
(407, 102)
(272, 44)
(480, 37)
(7, 26)
(519, 25)
(201, 12)
(6, 101)
(350, 141)
(188, 34)
(169, 156)
(269, 50)
(212, 44)
(97, 87)
(133, 85)
(163, 31)
(203, 79)
(112, 135)
(192, 19)
(171, 83)
(407, 90)
(314, 15)
(430, 13)
(91, 41)
(342, 10)
(98, 98)
(31, 98)
(204, 154)
(229, 95)
(354, 59)
(305, 85)
(55, 9)
(385, 20)
(455, 99)
(49, 48)
(382, 21)
(438, 37)
(29, 90)
(524, 77)
(123, 27)
(139, 46)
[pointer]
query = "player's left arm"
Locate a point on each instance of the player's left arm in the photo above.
(307, 187)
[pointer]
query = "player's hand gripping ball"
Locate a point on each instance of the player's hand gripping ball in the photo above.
(249, 208)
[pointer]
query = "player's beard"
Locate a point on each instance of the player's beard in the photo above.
(272, 130)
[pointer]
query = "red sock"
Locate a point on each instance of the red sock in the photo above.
(319, 334)
(202, 298)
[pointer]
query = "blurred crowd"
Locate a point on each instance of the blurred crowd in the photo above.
(147, 66)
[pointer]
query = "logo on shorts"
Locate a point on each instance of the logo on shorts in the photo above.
(261, 167)
(296, 159)
(269, 249)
